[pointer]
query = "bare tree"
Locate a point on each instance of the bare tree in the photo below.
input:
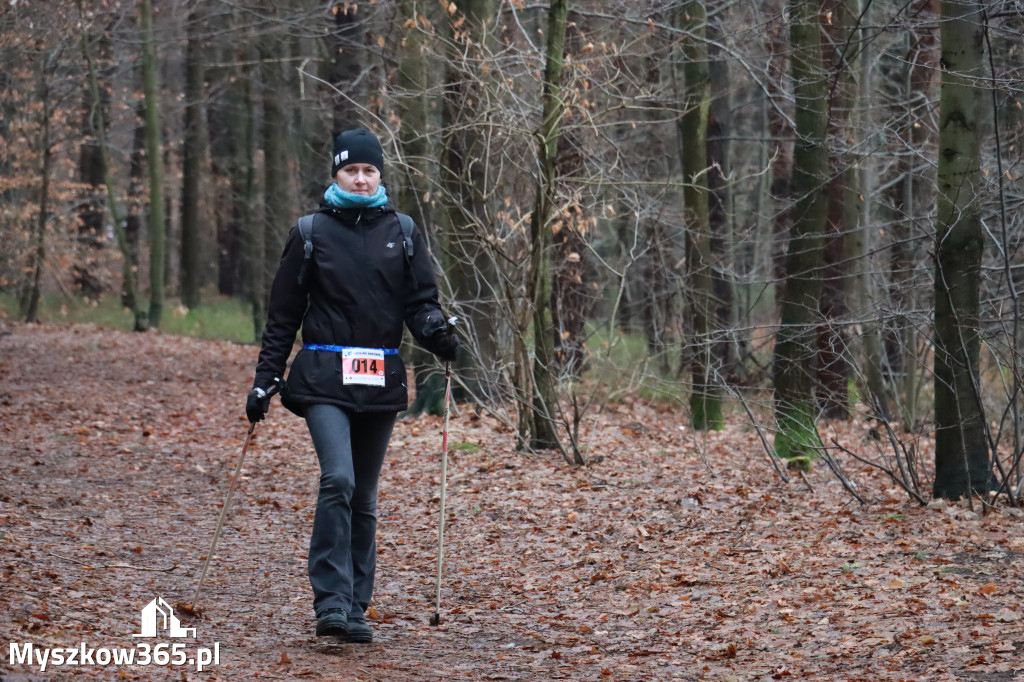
(963, 463)
(155, 159)
(705, 398)
(795, 411)
(193, 170)
(543, 433)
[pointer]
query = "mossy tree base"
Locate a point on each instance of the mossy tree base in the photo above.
(797, 438)
(706, 413)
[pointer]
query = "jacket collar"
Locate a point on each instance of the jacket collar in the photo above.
(357, 215)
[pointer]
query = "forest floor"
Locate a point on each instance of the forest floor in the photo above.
(117, 450)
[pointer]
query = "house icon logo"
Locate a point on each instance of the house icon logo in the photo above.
(159, 614)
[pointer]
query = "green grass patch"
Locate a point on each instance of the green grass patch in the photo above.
(620, 361)
(226, 319)
(464, 447)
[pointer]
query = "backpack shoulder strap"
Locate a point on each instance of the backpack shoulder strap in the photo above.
(407, 224)
(306, 232)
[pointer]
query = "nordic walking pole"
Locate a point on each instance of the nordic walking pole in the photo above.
(436, 620)
(227, 501)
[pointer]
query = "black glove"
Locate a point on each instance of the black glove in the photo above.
(446, 346)
(256, 405)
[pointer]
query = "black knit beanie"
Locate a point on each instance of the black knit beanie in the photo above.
(357, 146)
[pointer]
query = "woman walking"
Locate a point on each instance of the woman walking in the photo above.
(350, 276)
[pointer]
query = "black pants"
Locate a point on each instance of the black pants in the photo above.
(343, 546)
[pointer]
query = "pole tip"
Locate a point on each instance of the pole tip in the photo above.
(435, 620)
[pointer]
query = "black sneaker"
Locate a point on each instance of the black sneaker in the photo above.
(359, 632)
(332, 623)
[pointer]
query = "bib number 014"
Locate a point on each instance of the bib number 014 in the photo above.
(362, 366)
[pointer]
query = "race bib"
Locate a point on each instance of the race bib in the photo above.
(362, 366)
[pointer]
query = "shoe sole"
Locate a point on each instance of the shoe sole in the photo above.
(334, 627)
(359, 633)
(333, 631)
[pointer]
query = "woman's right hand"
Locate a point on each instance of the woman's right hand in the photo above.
(447, 346)
(256, 405)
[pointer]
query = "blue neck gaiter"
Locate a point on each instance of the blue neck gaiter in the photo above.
(339, 198)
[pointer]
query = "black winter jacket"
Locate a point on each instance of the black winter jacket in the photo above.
(357, 291)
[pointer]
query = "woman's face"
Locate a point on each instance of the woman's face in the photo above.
(358, 178)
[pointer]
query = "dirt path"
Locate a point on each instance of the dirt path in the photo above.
(116, 451)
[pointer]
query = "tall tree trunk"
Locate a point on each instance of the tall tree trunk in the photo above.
(910, 229)
(154, 155)
(278, 215)
(543, 432)
(795, 410)
(414, 121)
(963, 464)
(227, 141)
(858, 209)
(192, 236)
(780, 151)
(30, 298)
(312, 144)
(467, 220)
(135, 215)
(346, 63)
(705, 397)
(246, 215)
(570, 301)
(91, 172)
(730, 349)
(129, 269)
(833, 366)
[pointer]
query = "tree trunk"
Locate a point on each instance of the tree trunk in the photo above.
(705, 396)
(192, 236)
(858, 208)
(154, 155)
(91, 168)
(91, 171)
(963, 464)
(246, 214)
(467, 218)
(910, 229)
(30, 299)
(132, 299)
(730, 349)
(278, 215)
(570, 299)
(227, 141)
(129, 270)
(570, 303)
(794, 348)
(833, 365)
(780, 151)
(344, 66)
(414, 120)
(543, 433)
